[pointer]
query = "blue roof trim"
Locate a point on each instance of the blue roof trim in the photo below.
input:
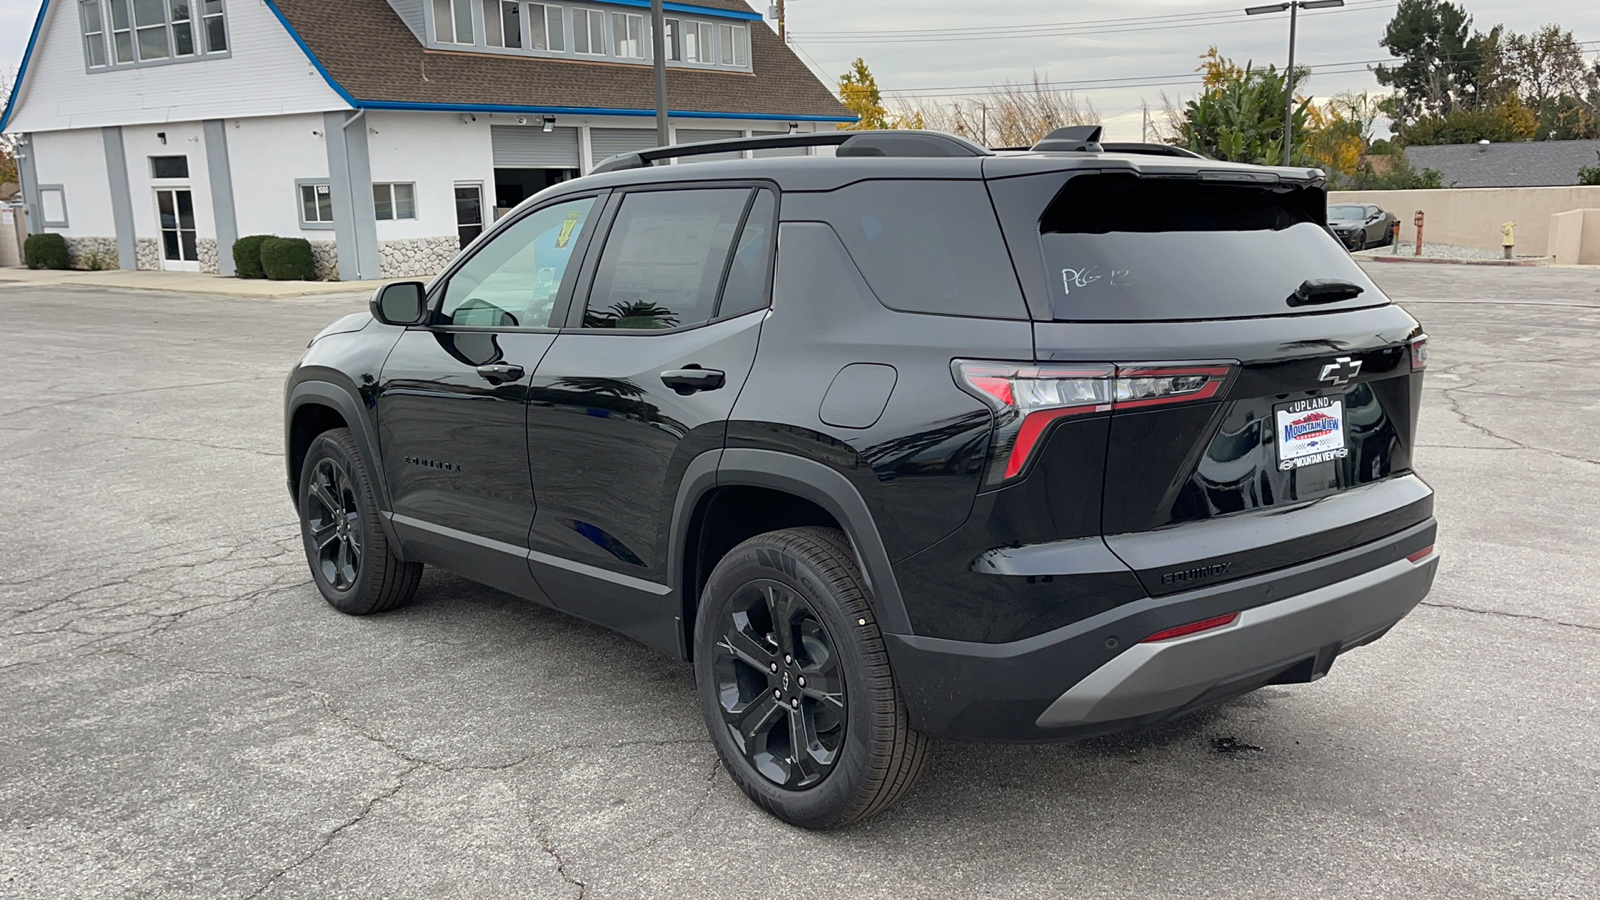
(749, 15)
(317, 63)
(22, 73)
(589, 111)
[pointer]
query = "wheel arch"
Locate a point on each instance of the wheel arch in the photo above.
(313, 407)
(814, 488)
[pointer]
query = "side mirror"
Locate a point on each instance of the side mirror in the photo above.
(400, 303)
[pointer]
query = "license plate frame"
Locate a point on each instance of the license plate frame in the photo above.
(1309, 432)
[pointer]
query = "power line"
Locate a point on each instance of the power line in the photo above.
(1023, 32)
(1232, 12)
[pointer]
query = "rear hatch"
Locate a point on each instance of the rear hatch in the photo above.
(1264, 390)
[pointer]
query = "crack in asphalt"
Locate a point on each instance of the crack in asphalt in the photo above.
(1511, 615)
(129, 393)
(327, 841)
(561, 863)
(1470, 422)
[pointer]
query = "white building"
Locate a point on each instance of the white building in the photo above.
(387, 132)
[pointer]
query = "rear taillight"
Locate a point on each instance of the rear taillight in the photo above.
(1028, 398)
(1419, 353)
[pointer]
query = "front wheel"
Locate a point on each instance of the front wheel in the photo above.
(350, 558)
(795, 684)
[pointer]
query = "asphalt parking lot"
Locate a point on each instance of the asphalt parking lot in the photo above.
(182, 716)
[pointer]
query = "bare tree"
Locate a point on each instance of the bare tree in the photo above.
(1011, 114)
(8, 144)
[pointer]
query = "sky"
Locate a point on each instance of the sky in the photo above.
(1116, 54)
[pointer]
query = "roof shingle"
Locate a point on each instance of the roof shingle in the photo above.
(371, 53)
(1522, 164)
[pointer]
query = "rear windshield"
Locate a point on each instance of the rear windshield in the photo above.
(1122, 248)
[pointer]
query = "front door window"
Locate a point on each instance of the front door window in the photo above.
(469, 212)
(175, 206)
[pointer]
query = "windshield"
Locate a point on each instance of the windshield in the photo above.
(1123, 248)
(1344, 214)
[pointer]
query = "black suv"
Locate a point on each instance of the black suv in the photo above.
(916, 440)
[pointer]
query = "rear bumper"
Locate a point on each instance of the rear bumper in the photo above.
(1095, 677)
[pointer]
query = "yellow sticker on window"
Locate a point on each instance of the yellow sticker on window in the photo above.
(566, 230)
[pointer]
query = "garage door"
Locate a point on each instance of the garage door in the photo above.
(696, 135)
(604, 142)
(531, 147)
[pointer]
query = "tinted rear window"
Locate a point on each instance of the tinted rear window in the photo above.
(1122, 248)
(928, 246)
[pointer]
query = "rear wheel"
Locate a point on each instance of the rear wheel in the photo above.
(349, 555)
(795, 684)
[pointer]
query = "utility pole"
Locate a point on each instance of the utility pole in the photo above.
(1293, 9)
(1144, 126)
(781, 34)
(983, 111)
(658, 41)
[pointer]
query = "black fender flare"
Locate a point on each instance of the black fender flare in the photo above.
(805, 478)
(343, 401)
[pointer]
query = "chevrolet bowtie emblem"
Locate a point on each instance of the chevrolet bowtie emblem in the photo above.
(1340, 371)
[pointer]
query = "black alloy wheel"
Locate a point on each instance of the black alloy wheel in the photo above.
(351, 561)
(331, 519)
(779, 685)
(795, 683)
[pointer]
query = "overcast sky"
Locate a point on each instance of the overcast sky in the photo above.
(1086, 44)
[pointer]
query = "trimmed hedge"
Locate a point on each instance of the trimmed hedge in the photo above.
(46, 251)
(288, 259)
(247, 256)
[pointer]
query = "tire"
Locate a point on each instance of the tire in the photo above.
(859, 759)
(346, 548)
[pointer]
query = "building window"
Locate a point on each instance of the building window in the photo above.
(94, 33)
(502, 23)
(735, 45)
(627, 35)
(394, 201)
(216, 27)
(672, 30)
(589, 32)
(545, 28)
(316, 204)
(53, 205)
(697, 42)
(169, 167)
(151, 30)
(452, 21)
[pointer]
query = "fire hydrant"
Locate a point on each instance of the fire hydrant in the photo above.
(1506, 240)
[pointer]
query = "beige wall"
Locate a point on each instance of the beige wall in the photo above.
(1575, 237)
(1471, 217)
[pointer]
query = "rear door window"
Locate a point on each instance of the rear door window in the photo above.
(664, 258)
(928, 247)
(1118, 247)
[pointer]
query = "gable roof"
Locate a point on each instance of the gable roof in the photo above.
(374, 60)
(1521, 164)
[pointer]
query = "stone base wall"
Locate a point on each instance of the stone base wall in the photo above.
(417, 257)
(207, 248)
(92, 252)
(326, 256)
(148, 252)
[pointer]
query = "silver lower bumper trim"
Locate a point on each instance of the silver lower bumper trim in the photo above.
(1152, 678)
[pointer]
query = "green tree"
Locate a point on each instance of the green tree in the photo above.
(1508, 121)
(1239, 114)
(1590, 174)
(1441, 60)
(8, 150)
(1387, 169)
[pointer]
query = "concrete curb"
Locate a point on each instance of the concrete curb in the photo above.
(1445, 260)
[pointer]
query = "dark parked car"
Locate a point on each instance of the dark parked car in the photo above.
(918, 441)
(1361, 225)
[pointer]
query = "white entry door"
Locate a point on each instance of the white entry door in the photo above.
(179, 253)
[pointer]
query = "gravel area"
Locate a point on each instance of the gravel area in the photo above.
(1440, 251)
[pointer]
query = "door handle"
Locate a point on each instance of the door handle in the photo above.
(692, 378)
(500, 373)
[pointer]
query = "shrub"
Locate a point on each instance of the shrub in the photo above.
(46, 251)
(1590, 174)
(288, 259)
(247, 256)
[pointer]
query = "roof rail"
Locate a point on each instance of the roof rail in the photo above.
(1151, 149)
(1073, 137)
(850, 143)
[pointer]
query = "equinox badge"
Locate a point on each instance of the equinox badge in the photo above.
(1340, 371)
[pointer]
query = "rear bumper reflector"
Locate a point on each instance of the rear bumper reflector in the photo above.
(1192, 628)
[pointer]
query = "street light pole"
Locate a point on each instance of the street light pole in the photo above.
(658, 42)
(1288, 76)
